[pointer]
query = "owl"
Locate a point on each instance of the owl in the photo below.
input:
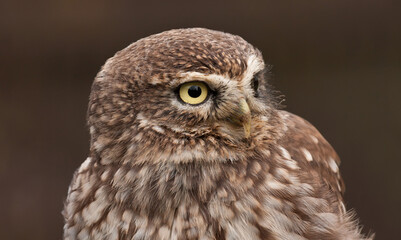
(189, 142)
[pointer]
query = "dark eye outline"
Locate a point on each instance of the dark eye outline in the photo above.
(255, 85)
(209, 93)
(256, 81)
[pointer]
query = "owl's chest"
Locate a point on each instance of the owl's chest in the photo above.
(237, 201)
(192, 219)
(227, 206)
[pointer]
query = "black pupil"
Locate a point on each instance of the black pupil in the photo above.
(194, 91)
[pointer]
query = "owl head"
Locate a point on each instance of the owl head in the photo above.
(179, 96)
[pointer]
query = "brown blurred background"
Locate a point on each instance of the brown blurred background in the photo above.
(337, 62)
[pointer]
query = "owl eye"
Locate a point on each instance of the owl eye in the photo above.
(255, 85)
(193, 93)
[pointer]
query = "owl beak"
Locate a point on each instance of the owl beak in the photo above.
(245, 117)
(240, 117)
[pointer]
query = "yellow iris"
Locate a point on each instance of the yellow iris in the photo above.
(193, 92)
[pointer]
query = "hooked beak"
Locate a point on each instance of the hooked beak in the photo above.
(246, 121)
(242, 117)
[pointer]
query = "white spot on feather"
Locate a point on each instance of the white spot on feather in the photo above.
(291, 163)
(83, 234)
(85, 165)
(273, 184)
(314, 139)
(94, 210)
(126, 220)
(285, 153)
(333, 165)
(105, 175)
(164, 233)
(158, 129)
(339, 186)
(307, 154)
(143, 122)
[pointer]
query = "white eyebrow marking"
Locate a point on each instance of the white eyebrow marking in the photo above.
(213, 80)
(254, 65)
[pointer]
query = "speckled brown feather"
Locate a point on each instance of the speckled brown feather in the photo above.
(161, 169)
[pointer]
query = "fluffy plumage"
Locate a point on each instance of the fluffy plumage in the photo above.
(162, 169)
